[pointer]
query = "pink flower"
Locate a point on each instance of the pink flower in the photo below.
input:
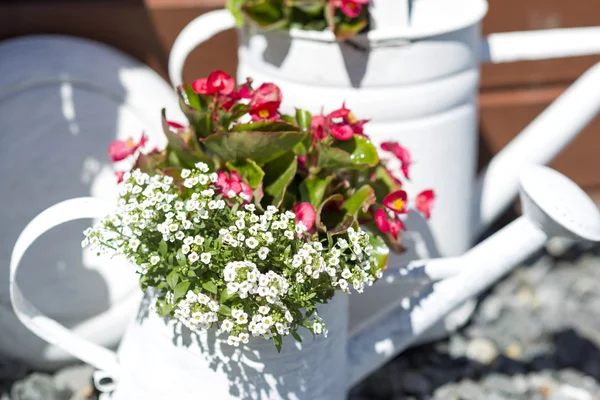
(318, 126)
(217, 82)
(220, 82)
(266, 93)
(424, 202)
(306, 214)
(401, 153)
(341, 131)
(382, 220)
(176, 125)
(396, 201)
(386, 224)
(265, 112)
(233, 183)
(343, 124)
(119, 175)
(121, 149)
(200, 86)
(352, 8)
(265, 102)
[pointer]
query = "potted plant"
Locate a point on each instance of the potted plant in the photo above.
(251, 225)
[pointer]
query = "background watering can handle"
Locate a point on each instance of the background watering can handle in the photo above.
(196, 32)
(40, 324)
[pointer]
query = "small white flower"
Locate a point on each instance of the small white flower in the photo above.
(289, 234)
(342, 243)
(205, 258)
(267, 321)
(250, 207)
(343, 284)
(185, 249)
(233, 341)
(317, 327)
(240, 223)
(231, 194)
(334, 261)
(299, 278)
(193, 257)
(244, 337)
(263, 252)
(202, 166)
(300, 228)
(264, 310)
(213, 177)
(203, 179)
(242, 319)
(251, 242)
(185, 173)
(154, 259)
(288, 317)
(346, 274)
(198, 240)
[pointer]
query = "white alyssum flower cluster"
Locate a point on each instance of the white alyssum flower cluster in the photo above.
(218, 262)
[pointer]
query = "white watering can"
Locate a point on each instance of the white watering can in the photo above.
(415, 75)
(161, 360)
(62, 101)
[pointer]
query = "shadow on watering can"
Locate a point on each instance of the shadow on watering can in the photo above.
(157, 358)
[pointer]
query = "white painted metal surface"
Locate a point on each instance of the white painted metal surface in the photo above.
(159, 360)
(62, 101)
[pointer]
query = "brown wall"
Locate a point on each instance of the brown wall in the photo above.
(511, 95)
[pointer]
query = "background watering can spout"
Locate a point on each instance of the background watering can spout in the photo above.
(539, 143)
(553, 206)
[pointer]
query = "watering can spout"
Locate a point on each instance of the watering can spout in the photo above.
(538, 143)
(553, 206)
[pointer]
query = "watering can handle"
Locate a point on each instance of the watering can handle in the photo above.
(196, 32)
(40, 324)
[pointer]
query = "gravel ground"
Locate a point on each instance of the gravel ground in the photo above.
(534, 336)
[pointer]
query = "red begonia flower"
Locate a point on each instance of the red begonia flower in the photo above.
(306, 214)
(121, 149)
(318, 126)
(200, 86)
(401, 153)
(382, 220)
(396, 201)
(265, 111)
(424, 202)
(220, 82)
(352, 8)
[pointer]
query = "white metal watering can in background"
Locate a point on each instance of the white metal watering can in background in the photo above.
(160, 360)
(62, 101)
(417, 80)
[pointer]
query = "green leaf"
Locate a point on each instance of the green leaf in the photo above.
(380, 251)
(346, 29)
(313, 190)
(268, 14)
(224, 310)
(181, 259)
(266, 126)
(320, 222)
(249, 170)
(181, 289)
(196, 110)
(260, 147)
(224, 295)
(361, 199)
(278, 342)
(296, 336)
(185, 153)
(172, 279)
(235, 7)
(383, 183)
(165, 309)
(211, 287)
(303, 118)
(357, 152)
(162, 248)
(279, 173)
